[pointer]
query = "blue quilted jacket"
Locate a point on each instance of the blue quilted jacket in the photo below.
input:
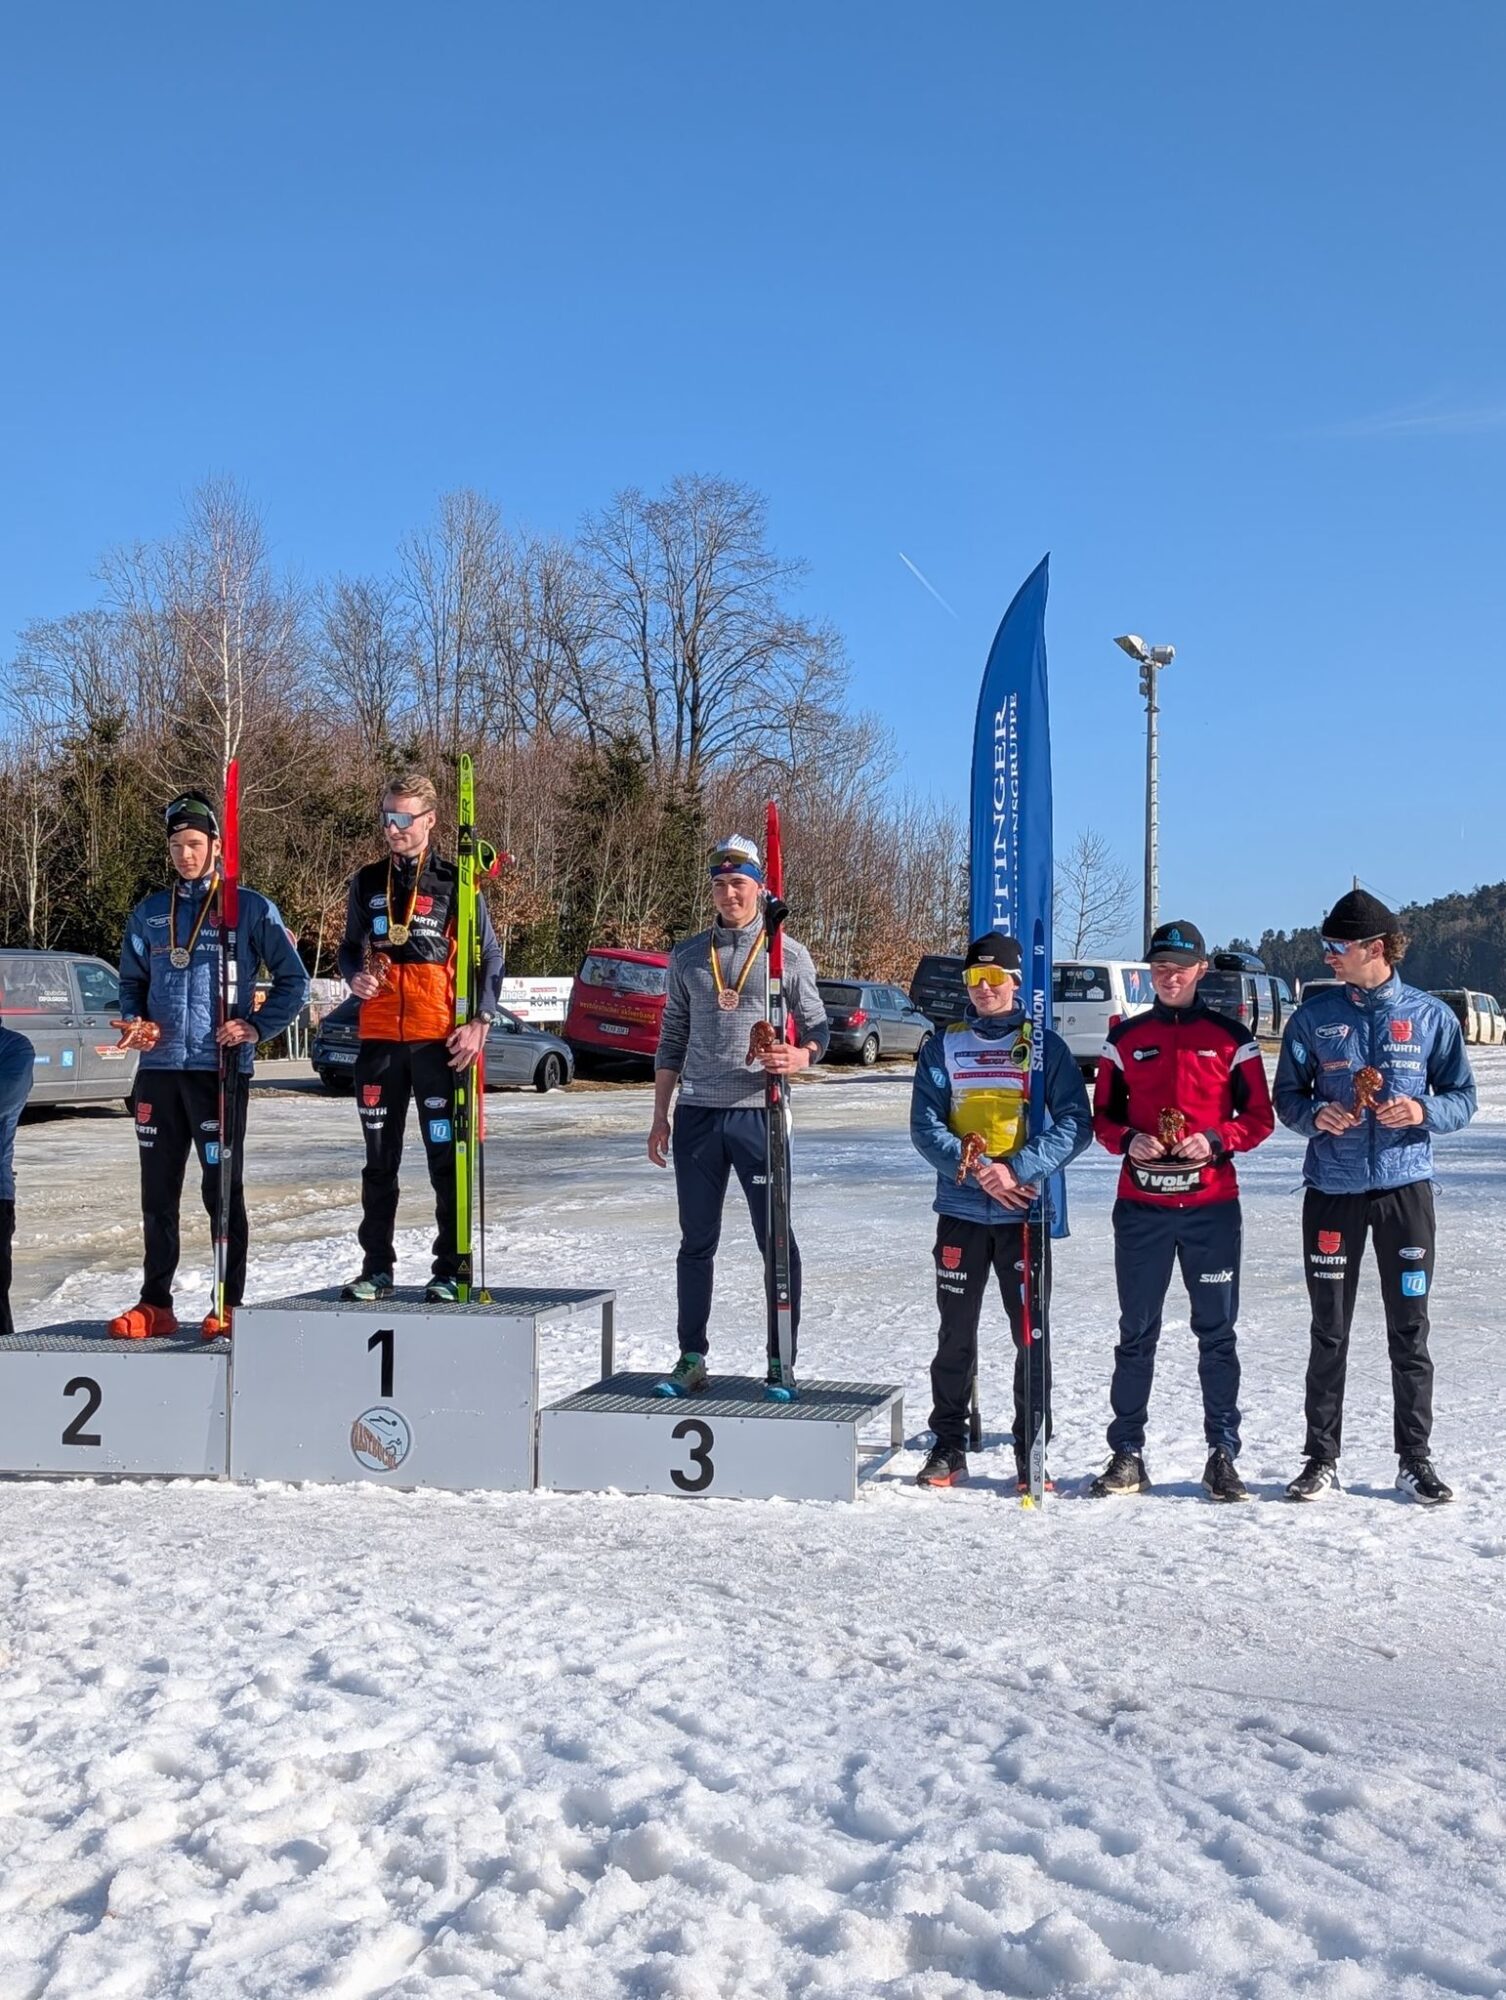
(187, 1004)
(1414, 1041)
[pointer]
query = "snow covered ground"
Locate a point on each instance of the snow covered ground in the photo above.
(277, 1741)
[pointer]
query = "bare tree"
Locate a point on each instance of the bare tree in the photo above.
(367, 653)
(1094, 897)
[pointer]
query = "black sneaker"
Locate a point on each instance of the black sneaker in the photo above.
(1220, 1480)
(1124, 1473)
(1417, 1477)
(945, 1467)
(1318, 1477)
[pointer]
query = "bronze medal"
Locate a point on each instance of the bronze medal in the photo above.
(398, 934)
(180, 958)
(727, 1000)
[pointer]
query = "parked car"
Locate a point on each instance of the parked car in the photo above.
(518, 1054)
(1317, 985)
(937, 989)
(617, 1005)
(1479, 1014)
(869, 1020)
(1090, 996)
(63, 1002)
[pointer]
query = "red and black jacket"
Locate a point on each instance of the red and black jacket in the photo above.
(416, 1002)
(1193, 1060)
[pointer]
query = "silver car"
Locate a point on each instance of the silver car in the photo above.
(518, 1055)
(63, 1002)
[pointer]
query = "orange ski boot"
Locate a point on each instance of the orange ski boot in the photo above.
(143, 1322)
(215, 1328)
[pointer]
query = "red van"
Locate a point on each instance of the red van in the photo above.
(617, 1004)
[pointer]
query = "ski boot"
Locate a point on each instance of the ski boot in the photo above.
(143, 1322)
(212, 1327)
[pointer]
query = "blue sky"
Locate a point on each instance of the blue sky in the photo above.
(1207, 301)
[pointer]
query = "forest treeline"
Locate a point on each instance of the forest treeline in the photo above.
(629, 694)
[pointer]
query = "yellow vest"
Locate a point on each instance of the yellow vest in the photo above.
(990, 1084)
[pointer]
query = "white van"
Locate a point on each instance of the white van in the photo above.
(1089, 996)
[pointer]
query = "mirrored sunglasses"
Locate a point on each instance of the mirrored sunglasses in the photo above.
(402, 821)
(1336, 947)
(987, 975)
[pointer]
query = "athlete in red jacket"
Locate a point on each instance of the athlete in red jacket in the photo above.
(1179, 1092)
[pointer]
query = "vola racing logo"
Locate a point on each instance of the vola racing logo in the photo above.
(1414, 1253)
(380, 1439)
(1338, 1032)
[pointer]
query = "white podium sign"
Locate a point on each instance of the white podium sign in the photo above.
(397, 1392)
(726, 1444)
(76, 1401)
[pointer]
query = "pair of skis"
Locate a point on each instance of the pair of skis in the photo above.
(778, 1291)
(474, 857)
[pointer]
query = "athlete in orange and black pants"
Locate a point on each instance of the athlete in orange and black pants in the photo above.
(398, 957)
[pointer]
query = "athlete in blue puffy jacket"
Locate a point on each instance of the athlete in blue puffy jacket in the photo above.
(1369, 1072)
(16, 1055)
(170, 1004)
(973, 1080)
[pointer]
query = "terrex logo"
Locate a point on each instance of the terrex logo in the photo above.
(1330, 1240)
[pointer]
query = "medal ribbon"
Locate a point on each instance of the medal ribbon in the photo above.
(172, 916)
(742, 978)
(407, 923)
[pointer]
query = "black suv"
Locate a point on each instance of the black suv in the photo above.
(869, 1020)
(937, 989)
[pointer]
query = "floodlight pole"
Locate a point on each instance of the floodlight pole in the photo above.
(1150, 660)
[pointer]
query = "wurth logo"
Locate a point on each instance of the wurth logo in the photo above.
(1330, 1240)
(371, 1095)
(143, 1112)
(951, 1256)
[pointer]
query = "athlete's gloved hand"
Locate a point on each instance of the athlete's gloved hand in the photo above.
(138, 1034)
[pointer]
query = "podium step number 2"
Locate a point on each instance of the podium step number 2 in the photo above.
(78, 1402)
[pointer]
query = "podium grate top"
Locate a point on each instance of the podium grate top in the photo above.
(735, 1396)
(91, 1336)
(507, 1302)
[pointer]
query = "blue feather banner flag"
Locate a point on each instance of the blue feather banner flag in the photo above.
(1010, 874)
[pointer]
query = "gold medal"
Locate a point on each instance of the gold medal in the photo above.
(180, 958)
(399, 930)
(398, 933)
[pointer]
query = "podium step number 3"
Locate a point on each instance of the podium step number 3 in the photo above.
(727, 1444)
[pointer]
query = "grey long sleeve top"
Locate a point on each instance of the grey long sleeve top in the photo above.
(709, 1048)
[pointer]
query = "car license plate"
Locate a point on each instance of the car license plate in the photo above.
(613, 1027)
(341, 1055)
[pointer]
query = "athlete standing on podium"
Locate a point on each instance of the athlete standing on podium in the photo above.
(716, 993)
(170, 1008)
(16, 1056)
(398, 958)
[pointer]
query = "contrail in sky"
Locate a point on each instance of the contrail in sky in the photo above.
(928, 584)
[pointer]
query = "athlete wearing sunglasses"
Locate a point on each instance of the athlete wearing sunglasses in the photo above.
(972, 1081)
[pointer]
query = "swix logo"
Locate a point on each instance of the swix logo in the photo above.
(1216, 1278)
(371, 1095)
(143, 1112)
(1401, 1031)
(951, 1256)
(1330, 1240)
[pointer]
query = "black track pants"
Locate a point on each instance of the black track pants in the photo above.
(387, 1075)
(709, 1146)
(178, 1111)
(1400, 1223)
(966, 1253)
(7, 1233)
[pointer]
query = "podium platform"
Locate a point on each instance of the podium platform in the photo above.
(76, 1401)
(729, 1443)
(396, 1392)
